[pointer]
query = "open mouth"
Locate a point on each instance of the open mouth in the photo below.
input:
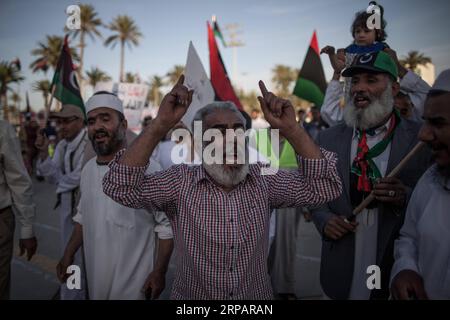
(361, 102)
(100, 137)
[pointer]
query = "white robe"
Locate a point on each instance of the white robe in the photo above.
(119, 242)
(424, 242)
(66, 175)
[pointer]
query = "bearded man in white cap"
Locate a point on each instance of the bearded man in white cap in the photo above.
(118, 242)
(64, 169)
(422, 253)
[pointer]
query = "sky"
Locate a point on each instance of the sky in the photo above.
(274, 32)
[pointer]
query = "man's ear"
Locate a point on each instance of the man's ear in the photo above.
(395, 88)
(125, 124)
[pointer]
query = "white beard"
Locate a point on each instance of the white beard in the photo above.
(227, 178)
(233, 175)
(370, 116)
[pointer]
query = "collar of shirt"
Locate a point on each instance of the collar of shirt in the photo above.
(74, 143)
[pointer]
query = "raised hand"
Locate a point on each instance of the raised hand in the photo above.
(174, 104)
(337, 60)
(329, 50)
(277, 111)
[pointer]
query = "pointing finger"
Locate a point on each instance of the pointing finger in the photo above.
(263, 88)
(180, 80)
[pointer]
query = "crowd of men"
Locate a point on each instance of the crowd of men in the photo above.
(125, 206)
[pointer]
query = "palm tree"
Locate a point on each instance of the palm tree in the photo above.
(9, 74)
(174, 74)
(95, 75)
(155, 94)
(130, 77)
(414, 59)
(48, 54)
(283, 76)
(126, 32)
(89, 26)
(249, 100)
(43, 86)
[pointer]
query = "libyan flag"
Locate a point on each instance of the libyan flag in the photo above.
(64, 83)
(219, 77)
(311, 84)
(218, 33)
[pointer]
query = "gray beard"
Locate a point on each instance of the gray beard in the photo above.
(370, 116)
(227, 178)
(106, 149)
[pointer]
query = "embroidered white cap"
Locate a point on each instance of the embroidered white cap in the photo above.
(104, 100)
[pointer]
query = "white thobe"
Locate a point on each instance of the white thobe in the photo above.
(119, 242)
(366, 235)
(64, 169)
(424, 242)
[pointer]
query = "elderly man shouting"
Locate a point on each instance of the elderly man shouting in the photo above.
(220, 212)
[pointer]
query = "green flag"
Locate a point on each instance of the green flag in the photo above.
(218, 33)
(64, 83)
(311, 83)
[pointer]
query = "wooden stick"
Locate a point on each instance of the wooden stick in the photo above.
(393, 173)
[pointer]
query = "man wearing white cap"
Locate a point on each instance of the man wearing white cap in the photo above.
(64, 169)
(422, 253)
(118, 242)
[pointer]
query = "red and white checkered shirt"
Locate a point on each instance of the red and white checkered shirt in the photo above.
(221, 238)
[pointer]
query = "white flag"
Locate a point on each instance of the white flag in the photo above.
(195, 78)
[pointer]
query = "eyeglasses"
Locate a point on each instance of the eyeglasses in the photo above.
(67, 120)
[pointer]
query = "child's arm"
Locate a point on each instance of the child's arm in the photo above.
(337, 60)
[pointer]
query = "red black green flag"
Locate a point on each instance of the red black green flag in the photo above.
(218, 33)
(219, 77)
(311, 83)
(64, 83)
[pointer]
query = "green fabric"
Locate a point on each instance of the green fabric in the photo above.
(309, 91)
(64, 85)
(65, 95)
(374, 173)
(379, 62)
(288, 157)
(386, 63)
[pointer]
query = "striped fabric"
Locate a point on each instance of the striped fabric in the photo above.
(221, 238)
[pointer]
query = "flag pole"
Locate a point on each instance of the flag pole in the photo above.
(53, 85)
(392, 174)
(49, 107)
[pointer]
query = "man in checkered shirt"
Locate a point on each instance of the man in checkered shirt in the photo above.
(220, 212)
